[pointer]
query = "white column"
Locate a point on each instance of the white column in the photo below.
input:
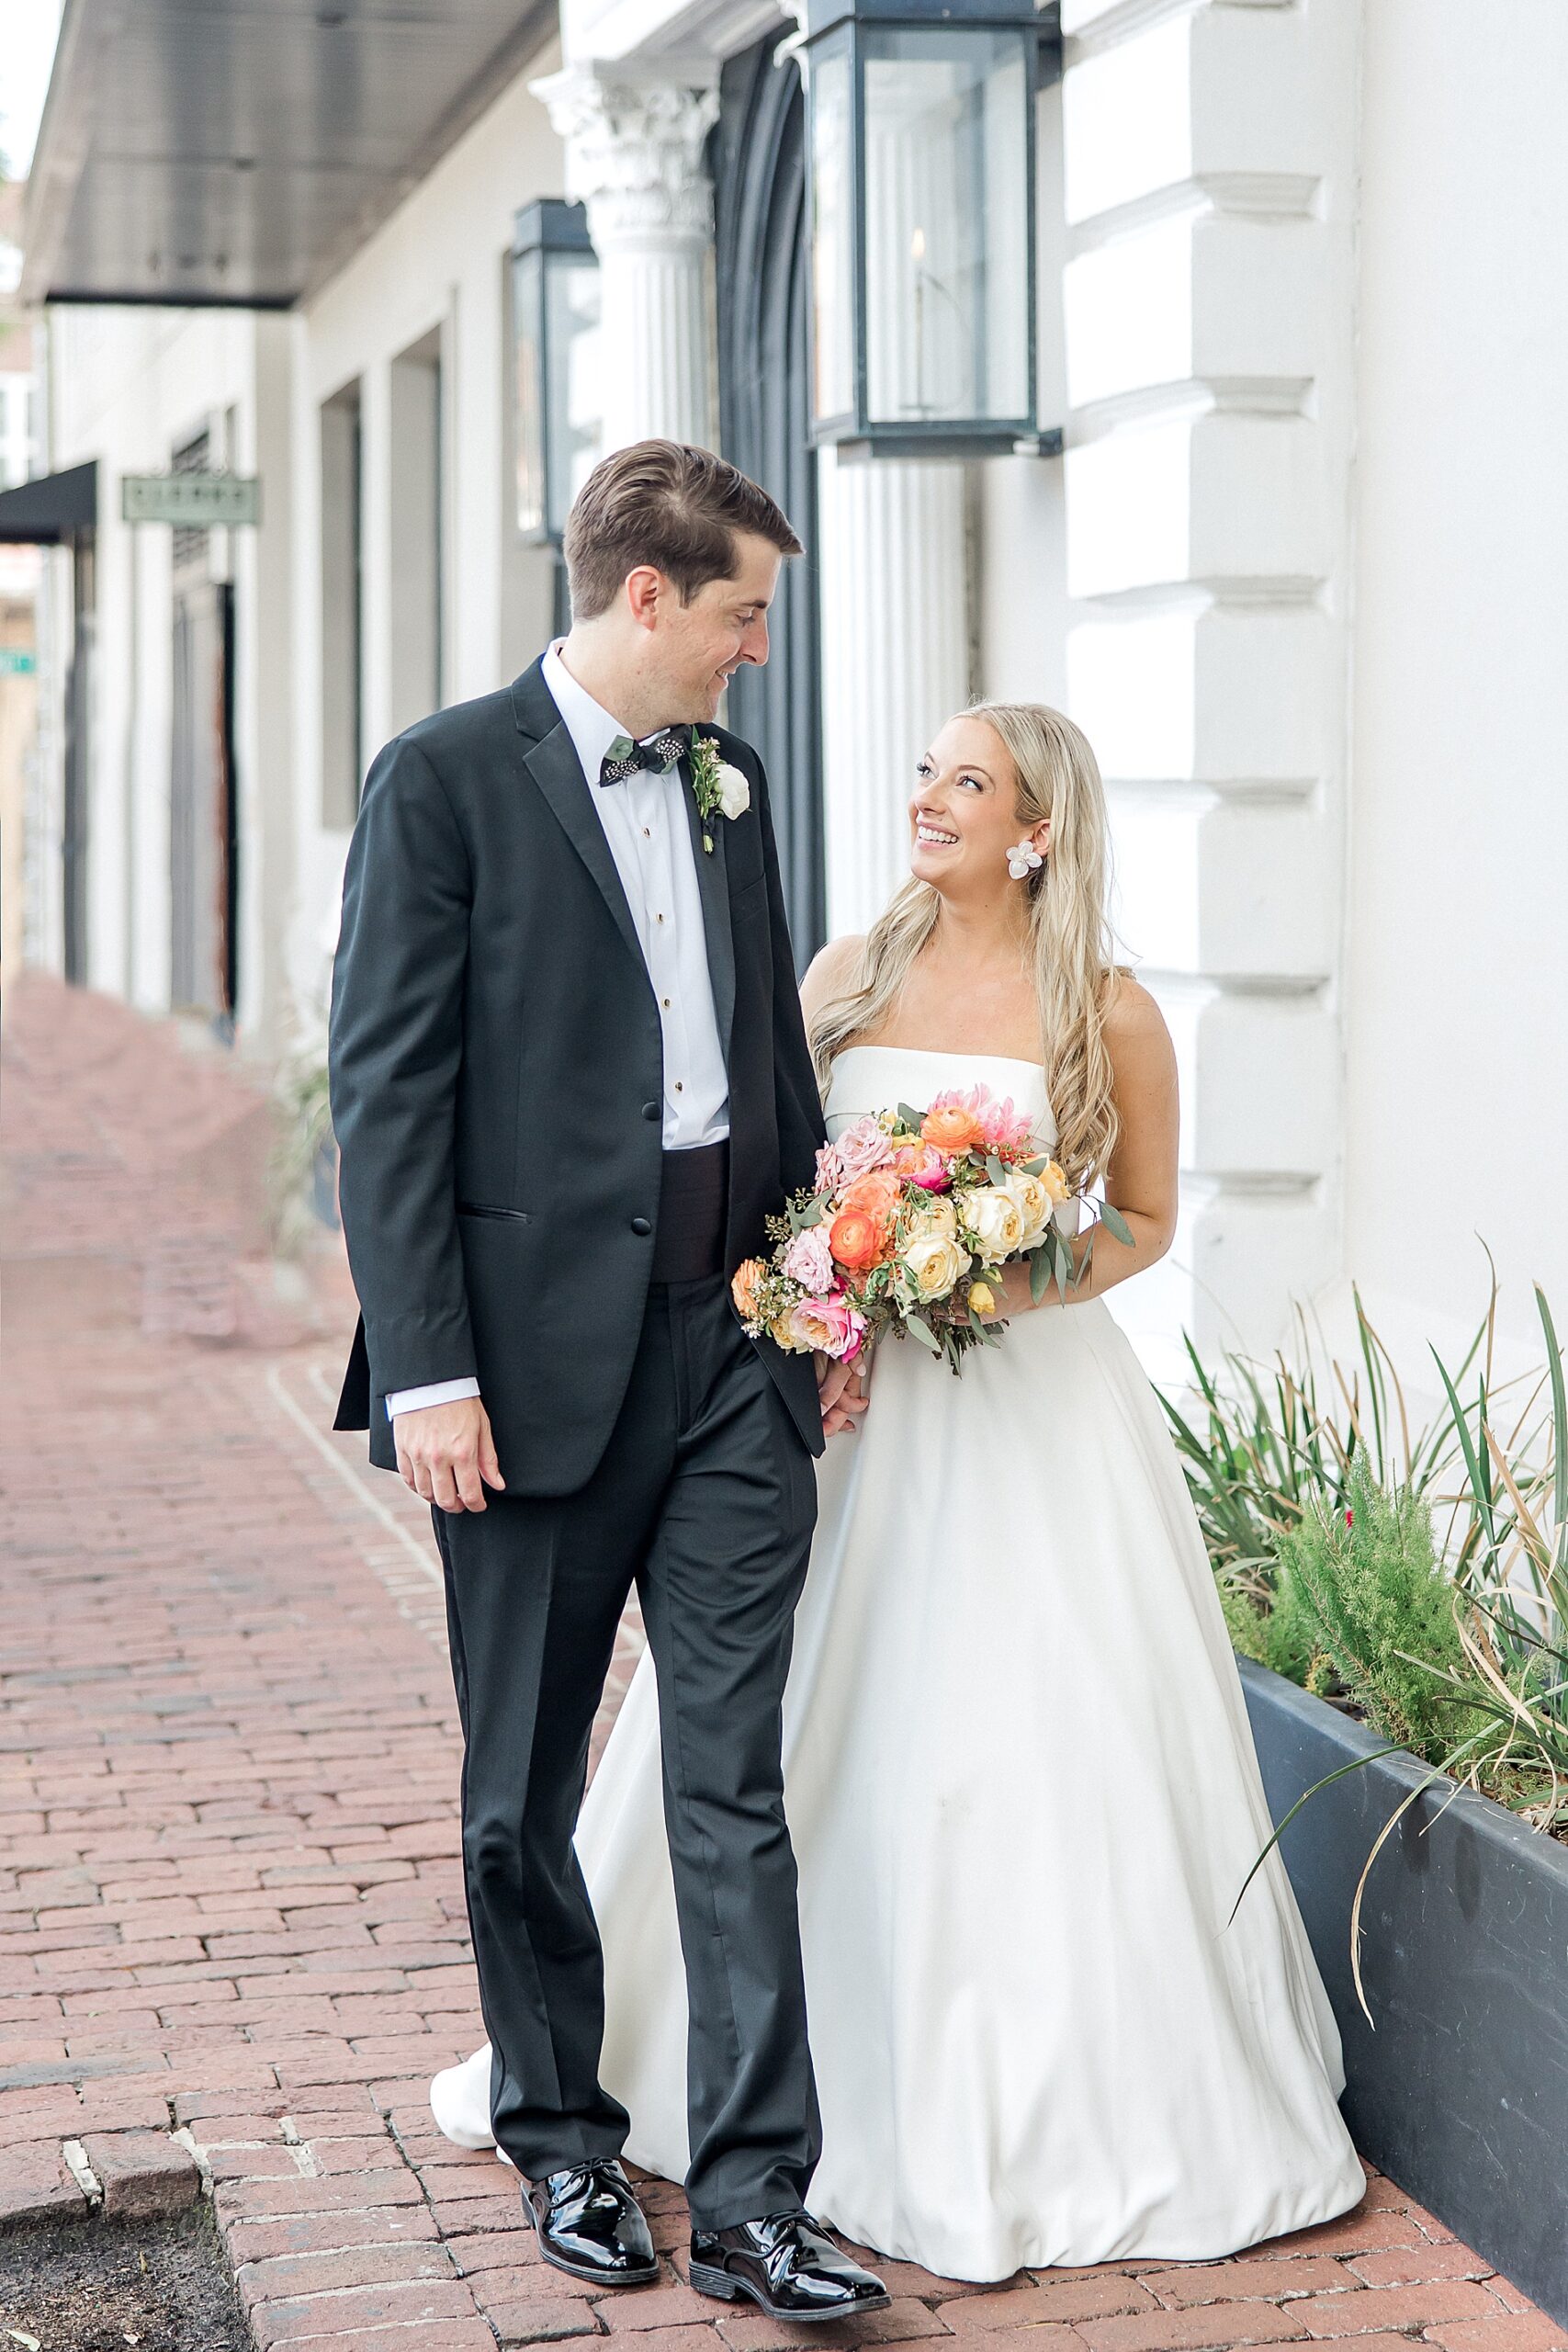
(895, 659)
(635, 158)
(1210, 180)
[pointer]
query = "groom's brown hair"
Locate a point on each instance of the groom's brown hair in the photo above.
(674, 507)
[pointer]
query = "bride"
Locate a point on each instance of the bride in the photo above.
(1020, 1780)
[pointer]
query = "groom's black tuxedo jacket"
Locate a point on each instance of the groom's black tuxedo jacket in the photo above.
(497, 1082)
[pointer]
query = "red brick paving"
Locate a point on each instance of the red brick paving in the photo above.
(230, 1902)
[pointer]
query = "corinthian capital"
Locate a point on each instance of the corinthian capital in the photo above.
(633, 151)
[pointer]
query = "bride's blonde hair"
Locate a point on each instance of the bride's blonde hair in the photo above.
(1070, 949)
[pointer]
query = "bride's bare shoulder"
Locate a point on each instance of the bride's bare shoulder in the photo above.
(1130, 1010)
(830, 971)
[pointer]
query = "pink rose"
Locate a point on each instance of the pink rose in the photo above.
(918, 1164)
(808, 1261)
(830, 1324)
(863, 1146)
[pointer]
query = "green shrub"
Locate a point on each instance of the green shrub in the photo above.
(1362, 1591)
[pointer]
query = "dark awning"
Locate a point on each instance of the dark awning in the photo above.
(209, 152)
(53, 508)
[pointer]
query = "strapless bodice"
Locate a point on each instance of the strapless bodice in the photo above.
(876, 1078)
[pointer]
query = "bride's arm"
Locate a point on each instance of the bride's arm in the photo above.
(1141, 1180)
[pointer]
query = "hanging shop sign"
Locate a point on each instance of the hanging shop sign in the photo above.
(192, 500)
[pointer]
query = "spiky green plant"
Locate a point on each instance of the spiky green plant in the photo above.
(1364, 1584)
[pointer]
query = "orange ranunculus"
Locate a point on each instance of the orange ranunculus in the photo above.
(743, 1288)
(950, 1129)
(876, 1192)
(858, 1239)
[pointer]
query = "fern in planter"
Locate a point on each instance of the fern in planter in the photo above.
(1363, 1589)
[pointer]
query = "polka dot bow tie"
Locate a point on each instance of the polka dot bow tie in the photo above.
(659, 752)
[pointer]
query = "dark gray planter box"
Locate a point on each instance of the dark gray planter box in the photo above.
(1460, 2095)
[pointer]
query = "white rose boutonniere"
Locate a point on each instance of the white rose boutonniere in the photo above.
(720, 790)
(734, 792)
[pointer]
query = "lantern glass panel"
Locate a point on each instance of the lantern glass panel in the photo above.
(558, 403)
(832, 229)
(527, 389)
(574, 404)
(947, 197)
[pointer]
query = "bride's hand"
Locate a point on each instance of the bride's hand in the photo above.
(1012, 1293)
(840, 1390)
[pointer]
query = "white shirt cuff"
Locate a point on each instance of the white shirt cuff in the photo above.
(434, 1391)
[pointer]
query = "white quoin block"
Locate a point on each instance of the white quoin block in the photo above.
(1259, 1078)
(1207, 886)
(1126, 121)
(1200, 301)
(1236, 1268)
(1215, 93)
(1127, 311)
(1220, 695)
(1252, 1258)
(1219, 498)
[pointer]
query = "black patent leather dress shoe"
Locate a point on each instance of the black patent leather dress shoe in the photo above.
(589, 2224)
(788, 2266)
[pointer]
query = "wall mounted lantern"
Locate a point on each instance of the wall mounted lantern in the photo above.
(921, 136)
(558, 411)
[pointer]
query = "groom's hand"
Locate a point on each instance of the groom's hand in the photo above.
(448, 1454)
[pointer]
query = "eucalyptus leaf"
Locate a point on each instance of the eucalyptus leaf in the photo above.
(911, 1118)
(995, 1169)
(1035, 1167)
(918, 1329)
(1040, 1272)
(1113, 1218)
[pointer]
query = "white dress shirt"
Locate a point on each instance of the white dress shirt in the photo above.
(650, 838)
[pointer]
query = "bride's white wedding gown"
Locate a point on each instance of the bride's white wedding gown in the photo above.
(1023, 1796)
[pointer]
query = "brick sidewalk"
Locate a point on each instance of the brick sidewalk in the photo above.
(230, 1902)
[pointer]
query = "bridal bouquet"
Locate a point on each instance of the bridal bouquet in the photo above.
(912, 1217)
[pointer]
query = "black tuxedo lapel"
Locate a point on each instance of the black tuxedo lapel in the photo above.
(555, 767)
(713, 883)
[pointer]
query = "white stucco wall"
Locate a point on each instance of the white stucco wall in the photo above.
(128, 387)
(438, 263)
(1457, 955)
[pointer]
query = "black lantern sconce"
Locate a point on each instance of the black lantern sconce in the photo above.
(922, 139)
(555, 326)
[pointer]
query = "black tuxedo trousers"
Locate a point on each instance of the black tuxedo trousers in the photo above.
(705, 1500)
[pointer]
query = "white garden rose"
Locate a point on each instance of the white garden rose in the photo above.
(993, 1217)
(934, 1262)
(734, 792)
(939, 1216)
(1034, 1206)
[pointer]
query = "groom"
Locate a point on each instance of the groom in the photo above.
(568, 1083)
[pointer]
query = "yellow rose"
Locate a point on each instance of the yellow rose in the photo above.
(982, 1298)
(992, 1215)
(934, 1262)
(1033, 1200)
(1055, 1182)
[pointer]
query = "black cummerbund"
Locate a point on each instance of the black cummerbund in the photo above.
(694, 1190)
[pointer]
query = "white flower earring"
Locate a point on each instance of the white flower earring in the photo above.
(1023, 858)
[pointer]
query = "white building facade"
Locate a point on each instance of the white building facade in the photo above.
(1302, 315)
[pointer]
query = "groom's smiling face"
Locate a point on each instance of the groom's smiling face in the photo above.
(698, 646)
